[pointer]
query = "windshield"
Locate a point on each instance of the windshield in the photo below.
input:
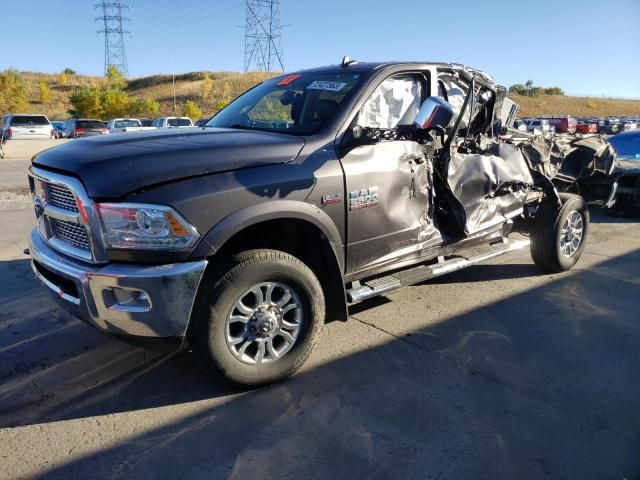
(298, 104)
(126, 123)
(28, 120)
(627, 145)
(179, 122)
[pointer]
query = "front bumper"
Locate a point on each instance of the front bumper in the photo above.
(147, 303)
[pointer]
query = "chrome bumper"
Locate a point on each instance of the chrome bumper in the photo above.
(146, 301)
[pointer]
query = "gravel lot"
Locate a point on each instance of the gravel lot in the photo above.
(493, 372)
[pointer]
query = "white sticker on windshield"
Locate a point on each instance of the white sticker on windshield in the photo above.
(326, 85)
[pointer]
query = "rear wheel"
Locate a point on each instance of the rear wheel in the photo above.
(257, 320)
(558, 234)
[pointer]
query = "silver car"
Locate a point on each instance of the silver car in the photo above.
(26, 126)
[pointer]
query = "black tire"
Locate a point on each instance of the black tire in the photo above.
(221, 289)
(546, 233)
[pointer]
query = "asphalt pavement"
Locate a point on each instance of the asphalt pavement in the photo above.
(495, 372)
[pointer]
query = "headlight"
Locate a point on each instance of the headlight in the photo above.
(145, 227)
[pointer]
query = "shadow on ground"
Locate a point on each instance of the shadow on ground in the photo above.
(543, 384)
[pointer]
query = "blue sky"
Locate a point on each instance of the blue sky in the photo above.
(585, 46)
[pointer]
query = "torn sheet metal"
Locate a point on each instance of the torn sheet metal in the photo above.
(569, 157)
(395, 102)
(491, 187)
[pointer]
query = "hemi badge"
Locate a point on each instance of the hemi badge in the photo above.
(331, 198)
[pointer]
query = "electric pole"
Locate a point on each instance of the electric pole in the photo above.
(263, 36)
(112, 20)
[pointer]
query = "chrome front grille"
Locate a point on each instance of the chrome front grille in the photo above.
(61, 197)
(72, 233)
(66, 216)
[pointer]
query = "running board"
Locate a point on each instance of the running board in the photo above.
(421, 273)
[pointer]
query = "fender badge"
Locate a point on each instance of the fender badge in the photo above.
(366, 198)
(330, 198)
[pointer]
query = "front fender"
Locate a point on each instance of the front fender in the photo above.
(273, 210)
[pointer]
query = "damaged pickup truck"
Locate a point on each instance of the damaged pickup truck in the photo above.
(310, 191)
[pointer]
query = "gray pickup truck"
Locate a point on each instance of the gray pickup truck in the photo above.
(311, 191)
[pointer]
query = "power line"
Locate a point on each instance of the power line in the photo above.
(186, 22)
(114, 51)
(263, 36)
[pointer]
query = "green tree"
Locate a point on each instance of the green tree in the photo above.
(115, 78)
(86, 102)
(69, 71)
(44, 92)
(536, 91)
(13, 93)
(192, 110)
(553, 91)
(518, 89)
(528, 86)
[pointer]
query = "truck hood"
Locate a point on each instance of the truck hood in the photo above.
(112, 166)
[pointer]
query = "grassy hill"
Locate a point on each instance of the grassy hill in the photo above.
(227, 85)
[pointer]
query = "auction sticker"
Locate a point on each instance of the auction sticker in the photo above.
(326, 85)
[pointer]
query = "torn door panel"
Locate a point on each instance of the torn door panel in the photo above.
(491, 187)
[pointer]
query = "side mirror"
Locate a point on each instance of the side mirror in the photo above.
(434, 114)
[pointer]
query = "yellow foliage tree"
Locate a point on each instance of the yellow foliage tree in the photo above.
(192, 110)
(13, 93)
(151, 108)
(63, 79)
(45, 92)
(115, 78)
(207, 87)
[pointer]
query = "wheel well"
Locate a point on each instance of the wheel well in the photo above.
(303, 240)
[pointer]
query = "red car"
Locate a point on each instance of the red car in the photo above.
(563, 124)
(585, 127)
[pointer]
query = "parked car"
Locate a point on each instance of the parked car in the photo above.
(586, 127)
(246, 235)
(541, 125)
(122, 125)
(26, 126)
(172, 122)
(625, 195)
(147, 122)
(59, 128)
(84, 127)
(562, 124)
(520, 125)
(609, 126)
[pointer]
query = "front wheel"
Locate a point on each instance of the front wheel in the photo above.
(257, 319)
(558, 234)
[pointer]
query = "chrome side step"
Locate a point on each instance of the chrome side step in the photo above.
(421, 273)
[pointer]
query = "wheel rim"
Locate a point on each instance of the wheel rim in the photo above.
(571, 234)
(264, 323)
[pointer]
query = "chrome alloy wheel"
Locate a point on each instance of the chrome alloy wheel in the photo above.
(571, 234)
(264, 323)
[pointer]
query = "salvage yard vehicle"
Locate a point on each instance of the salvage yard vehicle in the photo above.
(625, 194)
(26, 126)
(84, 127)
(172, 122)
(121, 125)
(311, 191)
(562, 124)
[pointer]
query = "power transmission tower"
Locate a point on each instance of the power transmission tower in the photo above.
(114, 52)
(263, 36)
